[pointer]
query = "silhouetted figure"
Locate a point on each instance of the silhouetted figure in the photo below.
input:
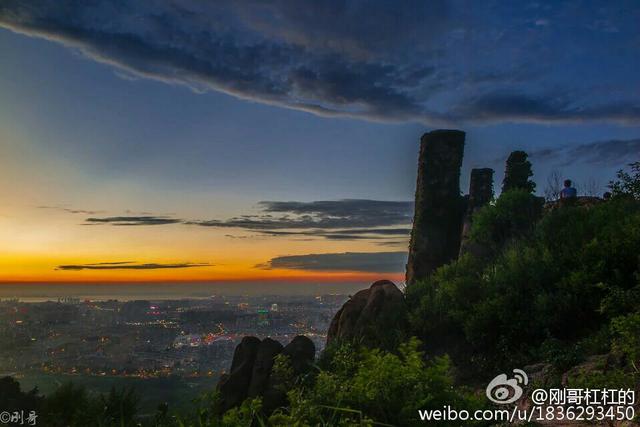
(568, 194)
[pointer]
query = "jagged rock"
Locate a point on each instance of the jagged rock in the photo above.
(439, 208)
(480, 193)
(344, 322)
(370, 315)
(251, 369)
(267, 351)
(234, 385)
(301, 351)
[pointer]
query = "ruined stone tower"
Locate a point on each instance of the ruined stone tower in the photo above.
(439, 208)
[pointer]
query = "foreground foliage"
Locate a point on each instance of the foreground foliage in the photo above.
(566, 288)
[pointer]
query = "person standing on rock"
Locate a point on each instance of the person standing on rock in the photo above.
(568, 194)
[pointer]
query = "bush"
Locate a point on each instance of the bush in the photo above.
(549, 293)
(363, 385)
(512, 217)
(627, 184)
(626, 341)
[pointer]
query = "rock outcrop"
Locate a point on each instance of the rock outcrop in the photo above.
(480, 193)
(439, 208)
(251, 369)
(233, 387)
(301, 352)
(370, 316)
(265, 356)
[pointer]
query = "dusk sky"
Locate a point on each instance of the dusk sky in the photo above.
(248, 140)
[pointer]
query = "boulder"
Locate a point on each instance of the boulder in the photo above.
(371, 317)
(234, 385)
(266, 353)
(301, 351)
(251, 371)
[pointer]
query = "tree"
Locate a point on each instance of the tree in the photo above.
(13, 398)
(589, 187)
(554, 186)
(627, 184)
(517, 173)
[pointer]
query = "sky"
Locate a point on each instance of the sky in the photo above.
(277, 141)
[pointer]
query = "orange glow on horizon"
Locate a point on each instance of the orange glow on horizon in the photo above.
(302, 277)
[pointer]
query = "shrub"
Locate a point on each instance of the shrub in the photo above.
(365, 385)
(627, 184)
(626, 341)
(513, 216)
(547, 294)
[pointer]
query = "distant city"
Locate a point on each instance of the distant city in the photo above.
(84, 340)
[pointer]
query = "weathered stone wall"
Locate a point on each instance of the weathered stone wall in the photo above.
(439, 208)
(480, 193)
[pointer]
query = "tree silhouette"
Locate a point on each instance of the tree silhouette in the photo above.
(517, 173)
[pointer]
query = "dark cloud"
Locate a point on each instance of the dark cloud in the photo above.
(347, 219)
(373, 262)
(134, 220)
(70, 210)
(341, 25)
(613, 152)
(403, 243)
(378, 60)
(128, 265)
(347, 234)
(519, 108)
(330, 214)
(193, 45)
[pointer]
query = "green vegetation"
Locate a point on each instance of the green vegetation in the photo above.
(628, 183)
(517, 173)
(362, 386)
(513, 217)
(557, 288)
(179, 391)
(72, 405)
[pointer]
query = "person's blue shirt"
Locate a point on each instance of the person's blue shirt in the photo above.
(568, 193)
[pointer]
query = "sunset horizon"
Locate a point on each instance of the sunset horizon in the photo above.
(125, 163)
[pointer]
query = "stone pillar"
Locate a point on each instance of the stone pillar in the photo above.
(437, 222)
(480, 193)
